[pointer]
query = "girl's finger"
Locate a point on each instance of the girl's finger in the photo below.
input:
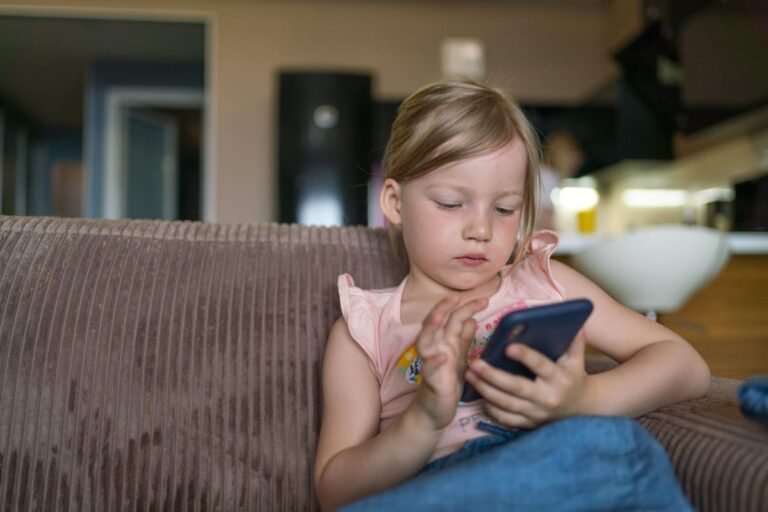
(574, 356)
(434, 321)
(501, 399)
(507, 382)
(444, 306)
(468, 329)
(534, 360)
(464, 339)
(508, 419)
(434, 362)
(457, 317)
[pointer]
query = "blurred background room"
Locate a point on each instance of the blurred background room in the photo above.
(650, 112)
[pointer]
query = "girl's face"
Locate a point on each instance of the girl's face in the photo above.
(460, 222)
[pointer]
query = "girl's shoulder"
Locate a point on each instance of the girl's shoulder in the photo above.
(364, 311)
(354, 297)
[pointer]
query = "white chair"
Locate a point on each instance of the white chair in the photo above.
(655, 269)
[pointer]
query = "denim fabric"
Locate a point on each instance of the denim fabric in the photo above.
(583, 463)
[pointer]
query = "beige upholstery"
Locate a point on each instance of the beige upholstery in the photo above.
(176, 366)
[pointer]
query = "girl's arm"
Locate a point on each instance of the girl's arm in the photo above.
(353, 458)
(657, 368)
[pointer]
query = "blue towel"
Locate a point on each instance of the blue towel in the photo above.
(753, 395)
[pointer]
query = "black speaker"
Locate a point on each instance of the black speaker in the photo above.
(324, 143)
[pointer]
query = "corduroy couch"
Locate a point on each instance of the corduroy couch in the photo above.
(176, 366)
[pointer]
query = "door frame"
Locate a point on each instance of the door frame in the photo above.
(118, 100)
(169, 163)
(208, 171)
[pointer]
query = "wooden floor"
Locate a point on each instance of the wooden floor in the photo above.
(727, 321)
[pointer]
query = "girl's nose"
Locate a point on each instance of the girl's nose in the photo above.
(478, 227)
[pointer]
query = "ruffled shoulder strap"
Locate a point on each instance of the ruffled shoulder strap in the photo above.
(534, 272)
(362, 310)
(543, 243)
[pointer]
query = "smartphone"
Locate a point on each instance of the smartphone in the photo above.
(548, 329)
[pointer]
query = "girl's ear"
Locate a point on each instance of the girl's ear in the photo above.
(390, 201)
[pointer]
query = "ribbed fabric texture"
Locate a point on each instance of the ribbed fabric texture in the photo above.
(176, 366)
(167, 366)
(720, 457)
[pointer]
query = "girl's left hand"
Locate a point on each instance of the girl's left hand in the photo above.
(513, 401)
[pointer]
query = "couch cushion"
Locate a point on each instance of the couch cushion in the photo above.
(720, 457)
(165, 364)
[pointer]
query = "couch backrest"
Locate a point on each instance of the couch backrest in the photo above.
(168, 365)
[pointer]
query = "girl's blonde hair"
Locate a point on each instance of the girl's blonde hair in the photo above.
(449, 121)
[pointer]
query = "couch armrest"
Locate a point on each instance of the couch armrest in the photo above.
(720, 457)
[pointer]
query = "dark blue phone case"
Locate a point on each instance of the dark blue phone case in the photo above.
(549, 329)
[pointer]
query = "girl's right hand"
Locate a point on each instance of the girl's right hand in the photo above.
(442, 345)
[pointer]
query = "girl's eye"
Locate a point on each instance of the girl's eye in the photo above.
(504, 211)
(448, 206)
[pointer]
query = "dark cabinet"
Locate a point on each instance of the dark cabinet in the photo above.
(324, 146)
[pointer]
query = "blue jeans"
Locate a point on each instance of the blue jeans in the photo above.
(584, 463)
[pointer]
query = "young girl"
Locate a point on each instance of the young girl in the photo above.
(462, 166)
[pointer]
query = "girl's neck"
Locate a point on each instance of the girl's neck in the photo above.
(421, 294)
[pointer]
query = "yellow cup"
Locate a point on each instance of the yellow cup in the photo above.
(587, 220)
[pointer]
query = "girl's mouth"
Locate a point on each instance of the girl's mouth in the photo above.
(472, 260)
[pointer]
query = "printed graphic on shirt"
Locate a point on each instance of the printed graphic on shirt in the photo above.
(479, 342)
(410, 363)
(470, 422)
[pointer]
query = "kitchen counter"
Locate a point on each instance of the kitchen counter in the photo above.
(738, 242)
(748, 243)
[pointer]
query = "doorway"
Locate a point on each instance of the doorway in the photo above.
(153, 154)
(150, 66)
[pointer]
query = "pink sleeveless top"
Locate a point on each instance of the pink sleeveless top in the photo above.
(373, 319)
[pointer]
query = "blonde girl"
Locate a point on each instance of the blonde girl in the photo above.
(462, 179)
